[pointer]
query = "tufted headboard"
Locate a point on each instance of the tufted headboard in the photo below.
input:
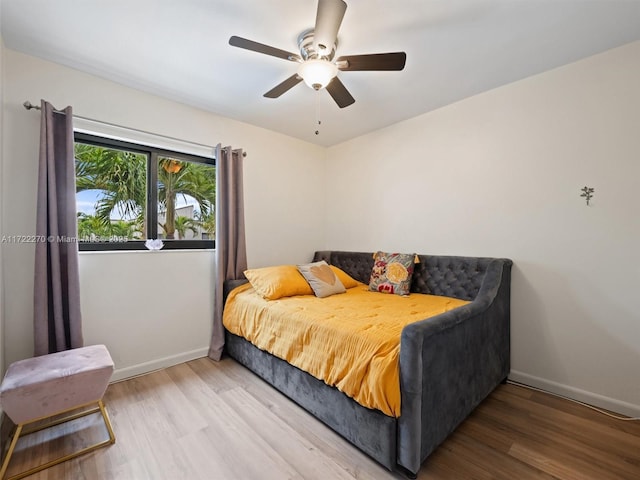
(459, 277)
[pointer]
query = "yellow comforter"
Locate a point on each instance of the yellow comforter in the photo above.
(350, 341)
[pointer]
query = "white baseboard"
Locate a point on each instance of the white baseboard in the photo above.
(157, 364)
(584, 396)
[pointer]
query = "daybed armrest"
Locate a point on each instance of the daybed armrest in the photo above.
(450, 363)
(230, 285)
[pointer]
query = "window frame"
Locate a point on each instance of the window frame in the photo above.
(152, 153)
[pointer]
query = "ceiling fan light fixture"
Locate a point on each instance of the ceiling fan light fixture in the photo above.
(317, 73)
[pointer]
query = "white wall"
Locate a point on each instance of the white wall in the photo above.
(150, 309)
(1, 202)
(500, 174)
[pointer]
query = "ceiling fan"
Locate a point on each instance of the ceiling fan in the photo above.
(316, 65)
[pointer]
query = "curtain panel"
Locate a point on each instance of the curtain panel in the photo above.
(231, 249)
(57, 317)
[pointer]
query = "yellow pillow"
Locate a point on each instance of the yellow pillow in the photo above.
(277, 282)
(344, 277)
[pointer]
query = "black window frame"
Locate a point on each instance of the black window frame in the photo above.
(152, 153)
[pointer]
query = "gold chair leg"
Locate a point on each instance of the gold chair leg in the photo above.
(105, 417)
(12, 446)
(107, 422)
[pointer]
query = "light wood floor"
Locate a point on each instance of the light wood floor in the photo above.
(207, 420)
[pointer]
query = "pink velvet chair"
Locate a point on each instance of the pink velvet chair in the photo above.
(50, 385)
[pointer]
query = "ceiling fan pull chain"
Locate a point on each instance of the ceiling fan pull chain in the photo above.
(318, 122)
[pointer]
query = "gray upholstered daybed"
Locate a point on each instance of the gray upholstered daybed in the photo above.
(448, 364)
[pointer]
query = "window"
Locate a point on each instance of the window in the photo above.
(127, 193)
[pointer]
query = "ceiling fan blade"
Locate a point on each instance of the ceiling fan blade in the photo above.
(281, 88)
(328, 19)
(339, 93)
(262, 48)
(373, 61)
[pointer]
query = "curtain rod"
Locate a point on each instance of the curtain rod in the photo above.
(29, 106)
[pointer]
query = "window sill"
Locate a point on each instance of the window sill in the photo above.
(139, 246)
(145, 252)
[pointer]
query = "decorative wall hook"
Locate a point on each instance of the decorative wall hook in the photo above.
(587, 192)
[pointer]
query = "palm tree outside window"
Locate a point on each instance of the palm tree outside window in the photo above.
(127, 193)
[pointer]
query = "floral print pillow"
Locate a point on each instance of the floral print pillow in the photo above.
(392, 273)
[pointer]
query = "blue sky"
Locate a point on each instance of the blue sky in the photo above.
(86, 200)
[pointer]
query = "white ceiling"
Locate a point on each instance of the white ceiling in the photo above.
(179, 50)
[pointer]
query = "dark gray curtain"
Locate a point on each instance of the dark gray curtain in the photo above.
(57, 319)
(231, 249)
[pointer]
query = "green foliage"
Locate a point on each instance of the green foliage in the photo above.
(183, 224)
(193, 179)
(94, 228)
(121, 177)
(119, 174)
(208, 222)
